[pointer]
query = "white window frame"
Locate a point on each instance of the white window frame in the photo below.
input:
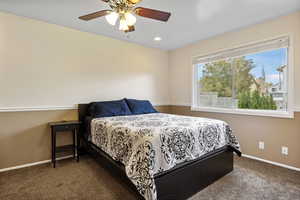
(270, 113)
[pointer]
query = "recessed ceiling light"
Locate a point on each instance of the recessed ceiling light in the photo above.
(157, 39)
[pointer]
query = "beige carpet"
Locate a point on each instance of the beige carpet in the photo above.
(88, 180)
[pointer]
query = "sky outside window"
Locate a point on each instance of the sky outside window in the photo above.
(270, 61)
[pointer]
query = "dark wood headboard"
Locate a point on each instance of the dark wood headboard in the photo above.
(82, 112)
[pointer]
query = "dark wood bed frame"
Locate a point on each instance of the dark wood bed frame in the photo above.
(178, 183)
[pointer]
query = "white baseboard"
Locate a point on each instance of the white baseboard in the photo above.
(33, 164)
(66, 157)
(271, 162)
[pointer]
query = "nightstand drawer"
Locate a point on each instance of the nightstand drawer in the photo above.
(64, 128)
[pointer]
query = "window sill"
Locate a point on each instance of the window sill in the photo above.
(265, 113)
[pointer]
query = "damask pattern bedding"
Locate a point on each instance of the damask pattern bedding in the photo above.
(151, 143)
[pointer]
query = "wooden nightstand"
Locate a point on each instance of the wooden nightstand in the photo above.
(65, 126)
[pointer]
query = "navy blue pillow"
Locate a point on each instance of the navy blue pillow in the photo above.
(140, 106)
(109, 108)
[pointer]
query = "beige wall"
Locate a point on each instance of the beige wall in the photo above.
(275, 132)
(25, 136)
(45, 65)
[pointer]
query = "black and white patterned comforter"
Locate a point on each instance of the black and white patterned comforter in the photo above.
(151, 143)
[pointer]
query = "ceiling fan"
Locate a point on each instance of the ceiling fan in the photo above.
(123, 11)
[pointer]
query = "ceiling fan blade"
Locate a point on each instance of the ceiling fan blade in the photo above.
(131, 29)
(105, 1)
(95, 15)
(153, 14)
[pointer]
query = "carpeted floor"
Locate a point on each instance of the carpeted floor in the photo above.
(88, 180)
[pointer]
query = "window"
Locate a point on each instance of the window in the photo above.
(253, 79)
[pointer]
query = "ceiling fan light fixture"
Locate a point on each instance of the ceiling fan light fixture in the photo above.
(123, 25)
(112, 18)
(134, 1)
(157, 39)
(130, 19)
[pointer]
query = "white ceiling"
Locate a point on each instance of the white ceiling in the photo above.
(191, 20)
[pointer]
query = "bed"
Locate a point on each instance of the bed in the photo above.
(154, 152)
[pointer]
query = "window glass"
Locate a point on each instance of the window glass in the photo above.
(255, 81)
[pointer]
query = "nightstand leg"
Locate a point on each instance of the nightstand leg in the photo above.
(74, 144)
(77, 144)
(53, 141)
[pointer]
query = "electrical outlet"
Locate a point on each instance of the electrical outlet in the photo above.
(261, 145)
(284, 150)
